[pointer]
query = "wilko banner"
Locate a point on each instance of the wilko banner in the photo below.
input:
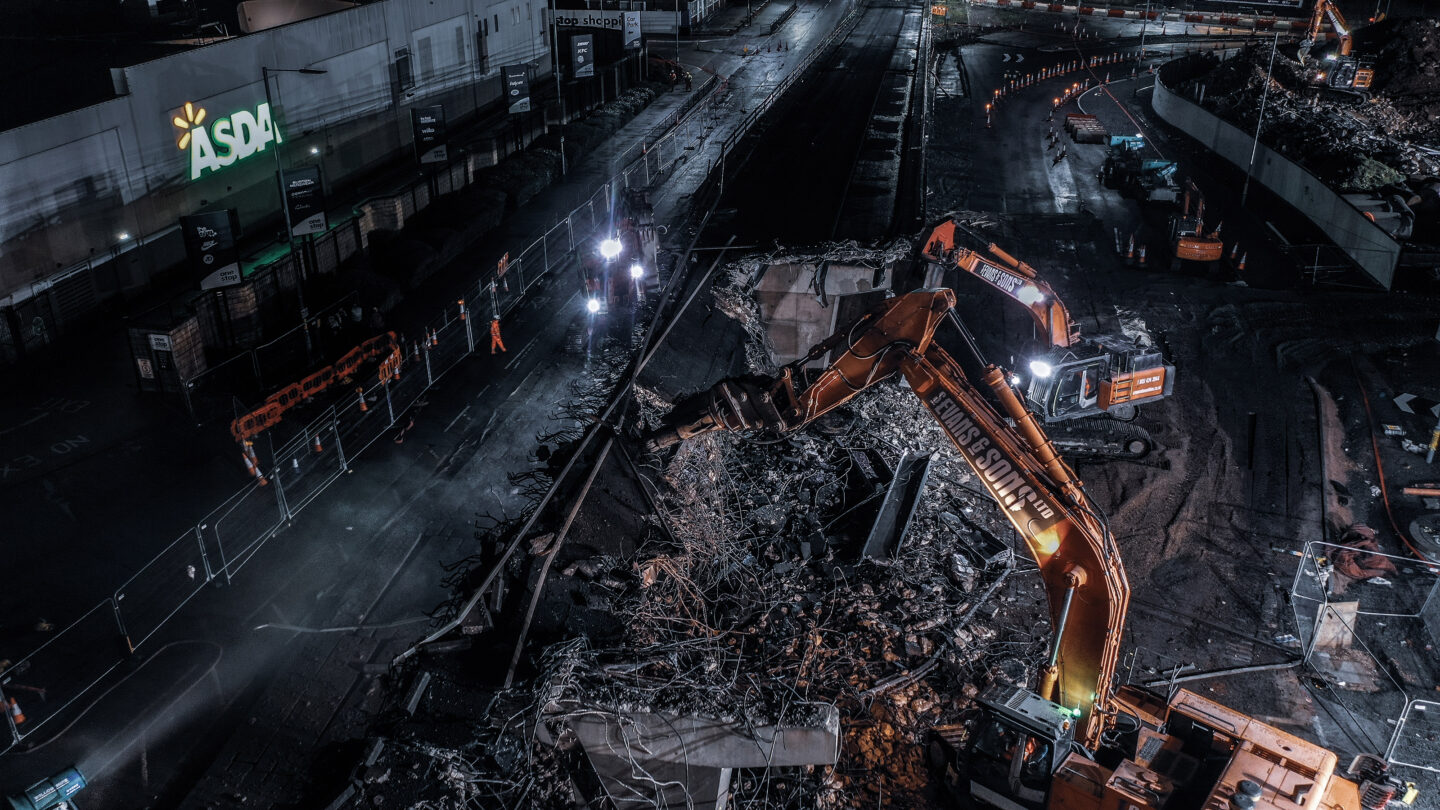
(428, 124)
(582, 55)
(516, 80)
(210, 247)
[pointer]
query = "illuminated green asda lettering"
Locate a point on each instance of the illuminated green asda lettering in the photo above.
(226, 140)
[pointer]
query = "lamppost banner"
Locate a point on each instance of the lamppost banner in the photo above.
(516, 79)
(210, 246)
(428, 124)
(582, 55)
(305, 201)
(632, 30)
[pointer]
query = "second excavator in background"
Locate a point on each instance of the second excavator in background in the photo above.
(1076, 376)
(1341, 70)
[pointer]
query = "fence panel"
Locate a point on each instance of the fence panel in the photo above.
(246, 523)
(161, 587)
(556, 244)
(449, 348)
(1350, 605)
(1416, 742)
(48, 680)
(308, 464)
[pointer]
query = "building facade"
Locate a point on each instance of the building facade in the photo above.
(90, 200)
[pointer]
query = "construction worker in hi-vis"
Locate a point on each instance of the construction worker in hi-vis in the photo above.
(495, 341)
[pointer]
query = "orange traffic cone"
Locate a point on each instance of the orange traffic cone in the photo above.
(361, 393)
(1141, 258)
(1235, 248)
(319, 448)
(1130, 251)
(1243, 257)
(15, 713)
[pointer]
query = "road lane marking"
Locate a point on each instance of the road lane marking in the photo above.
(521, 354)
(463, 411)
(522, 382)
(486, 431)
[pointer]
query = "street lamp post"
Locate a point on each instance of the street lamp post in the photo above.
(285, 209)
(1255, 145)
(1144, 25)
(555, 53)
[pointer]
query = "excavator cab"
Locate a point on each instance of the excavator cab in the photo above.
(1014, 748)
(1071, 391)
(1099, 375)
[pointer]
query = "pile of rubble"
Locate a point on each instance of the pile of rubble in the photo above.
(753, 605)
(760, 603)
(1389, 143)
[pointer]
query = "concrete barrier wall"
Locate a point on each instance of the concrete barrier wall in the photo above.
(1365, 242)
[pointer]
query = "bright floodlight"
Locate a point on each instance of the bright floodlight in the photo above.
(1040, 368)
(1029, 295)
(610, 248)
(1329, 57)
(637, 271)
(592, 305)
(1014, 379)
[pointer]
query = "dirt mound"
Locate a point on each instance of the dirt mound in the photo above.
(1407, 67)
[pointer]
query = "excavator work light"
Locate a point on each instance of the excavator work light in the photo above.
(637, 271)
(1040, 368)
(592, 305)
(610, 248)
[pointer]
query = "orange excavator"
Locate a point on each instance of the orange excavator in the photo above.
(1076, 742)
(1339, 71)
(1076, 377)
(1189, 240)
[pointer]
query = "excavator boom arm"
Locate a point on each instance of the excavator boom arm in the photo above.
(1037, 492)
(1014, 278)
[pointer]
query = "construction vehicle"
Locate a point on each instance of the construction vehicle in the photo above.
(1146, 179)
(1341, 70)
(1077, 742)
(622, 267)
(1077, 376)
(1189, 241)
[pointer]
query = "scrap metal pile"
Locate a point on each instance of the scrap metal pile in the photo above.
(1390, 142)
(757, 602)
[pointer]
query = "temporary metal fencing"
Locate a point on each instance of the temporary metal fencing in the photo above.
(77, 658)
(1371, 640)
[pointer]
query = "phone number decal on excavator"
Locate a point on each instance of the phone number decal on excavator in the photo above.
(998, 474)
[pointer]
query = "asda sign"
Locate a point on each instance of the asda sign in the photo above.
(214, 143)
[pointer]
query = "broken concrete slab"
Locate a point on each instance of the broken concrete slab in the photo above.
(898, 507)
(706, 742)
